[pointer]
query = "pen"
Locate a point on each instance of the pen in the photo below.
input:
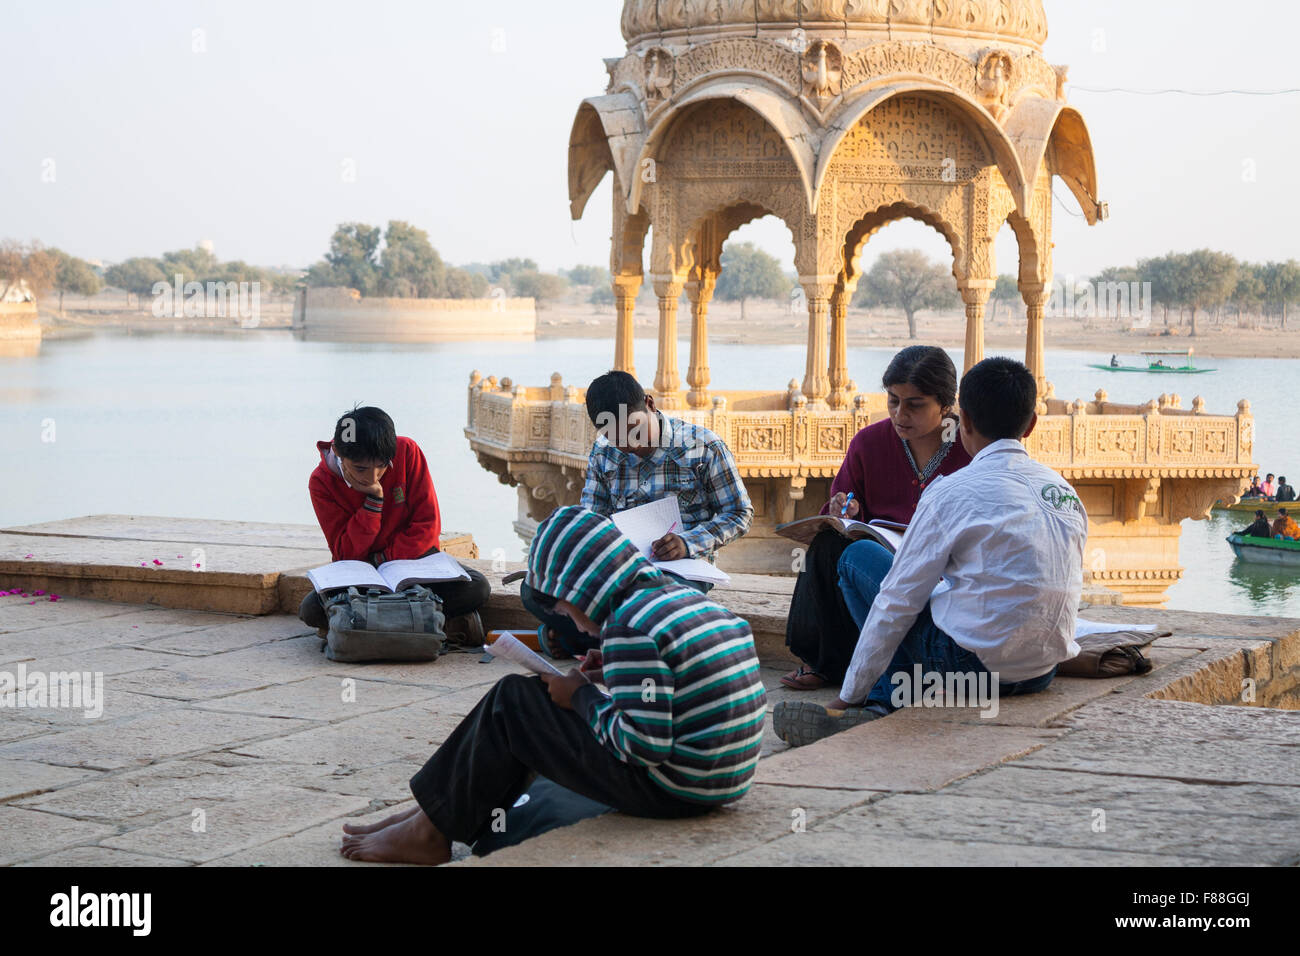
(845, 509)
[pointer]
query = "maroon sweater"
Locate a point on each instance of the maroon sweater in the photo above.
(877, 471)
(405, 524)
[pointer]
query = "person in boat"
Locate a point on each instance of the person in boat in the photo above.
(1158, 363)
(1114, 361)
(1284, 526)
(1260, 529)
(1284, 491)
(1268, 488)
(889, 463)
(1254, 491)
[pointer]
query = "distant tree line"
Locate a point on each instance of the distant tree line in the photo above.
(41, 271)
(1213, 284)
(408, 266)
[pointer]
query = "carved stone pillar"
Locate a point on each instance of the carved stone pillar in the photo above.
(839, 358)
(699, 290)
(816, 380)
(1035, 296)
(975, 293)
(625, 292)
(668, 381)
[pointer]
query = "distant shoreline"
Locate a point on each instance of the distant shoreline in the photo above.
(768, 324)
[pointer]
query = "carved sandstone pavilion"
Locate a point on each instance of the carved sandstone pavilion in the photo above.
(838, 117)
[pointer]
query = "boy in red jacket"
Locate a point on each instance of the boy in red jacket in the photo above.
(375, 502)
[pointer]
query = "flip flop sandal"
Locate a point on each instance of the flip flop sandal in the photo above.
(804, 679)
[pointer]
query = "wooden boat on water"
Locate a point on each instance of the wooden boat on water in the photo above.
(1265, 550)
(1156, 363)
(1248, 506)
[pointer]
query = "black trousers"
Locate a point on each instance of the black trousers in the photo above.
(476, 776)
(820, 631)
(458, 597)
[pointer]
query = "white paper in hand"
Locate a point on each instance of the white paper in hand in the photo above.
(510, 648)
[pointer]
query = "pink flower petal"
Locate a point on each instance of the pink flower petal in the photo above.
(27, 555)
(198, 565)
(157, 562)
(180, 555)
(38, 593)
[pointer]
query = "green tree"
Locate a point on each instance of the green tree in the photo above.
(74, 275)
(1282, 284)
(1006, 292)
(28, 265)
(907, 280)
(136, 276)
(749, 273)
(1208, 278)
(352, 260)
(1251, 288)
(503, 271)
(410, 267)
(589, 275)
(193, 265)
(601, 295)
(463, 284)
(545, 287)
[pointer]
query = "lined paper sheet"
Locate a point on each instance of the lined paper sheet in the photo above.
(646, 524)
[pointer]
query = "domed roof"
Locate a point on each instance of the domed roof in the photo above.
(1015, 22)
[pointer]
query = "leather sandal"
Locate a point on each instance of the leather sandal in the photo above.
(804, 679)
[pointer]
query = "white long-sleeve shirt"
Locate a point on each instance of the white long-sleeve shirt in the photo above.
(1005, 535)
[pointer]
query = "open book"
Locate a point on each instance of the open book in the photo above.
(646, 524)
(389, 576)
(888, 533)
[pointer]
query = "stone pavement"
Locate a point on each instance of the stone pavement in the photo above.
(228, 739)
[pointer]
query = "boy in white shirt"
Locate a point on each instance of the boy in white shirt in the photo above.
(986, 584)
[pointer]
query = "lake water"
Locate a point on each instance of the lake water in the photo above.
(225, 426)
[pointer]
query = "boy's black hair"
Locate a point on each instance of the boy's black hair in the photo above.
(365, 435)
(609, 391)
(998, 396)
(928, 369)
(1259, 513)
(1282, 479)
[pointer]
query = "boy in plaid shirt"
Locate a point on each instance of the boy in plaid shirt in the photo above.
(642, 455)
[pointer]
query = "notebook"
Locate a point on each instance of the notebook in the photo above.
(389, 576)
(646, 524)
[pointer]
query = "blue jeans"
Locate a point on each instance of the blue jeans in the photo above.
(862, 567)
(570, 639)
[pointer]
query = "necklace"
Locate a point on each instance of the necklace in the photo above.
(922, 477)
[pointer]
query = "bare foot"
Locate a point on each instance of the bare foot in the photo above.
(386, 822)
(412, 840)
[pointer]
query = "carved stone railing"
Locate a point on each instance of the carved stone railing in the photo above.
(1139, 469)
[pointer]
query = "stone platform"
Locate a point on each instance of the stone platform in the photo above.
(228, 739)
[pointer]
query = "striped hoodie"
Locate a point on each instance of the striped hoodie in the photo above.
(685, 699)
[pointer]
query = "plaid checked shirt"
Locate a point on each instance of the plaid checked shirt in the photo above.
(694, 464)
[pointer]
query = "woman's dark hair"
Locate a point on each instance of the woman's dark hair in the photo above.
(928, 369)
(365, 435)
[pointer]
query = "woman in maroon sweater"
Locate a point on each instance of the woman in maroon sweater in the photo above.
(888, 465)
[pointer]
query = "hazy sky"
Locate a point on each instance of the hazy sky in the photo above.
(456, 116)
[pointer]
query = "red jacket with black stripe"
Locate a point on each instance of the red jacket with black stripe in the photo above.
(405, 524)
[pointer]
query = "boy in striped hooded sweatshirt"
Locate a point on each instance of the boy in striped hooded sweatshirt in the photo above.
(678, 733)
